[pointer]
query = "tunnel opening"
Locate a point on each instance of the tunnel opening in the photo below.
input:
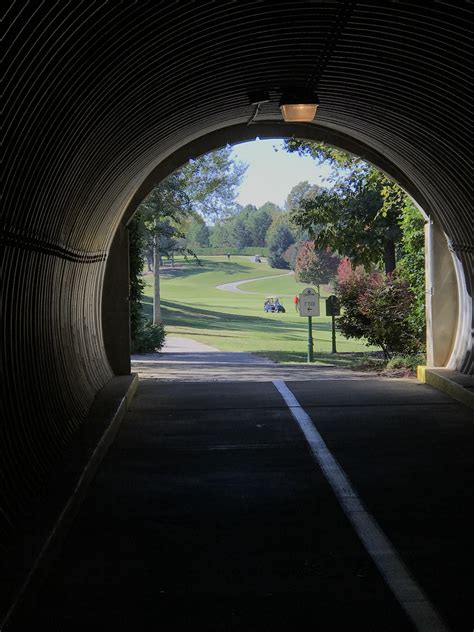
(447, 316)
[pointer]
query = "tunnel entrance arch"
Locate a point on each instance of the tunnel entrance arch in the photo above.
(447, 299)
(103, 99)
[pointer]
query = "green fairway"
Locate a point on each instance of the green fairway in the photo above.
(231, 321)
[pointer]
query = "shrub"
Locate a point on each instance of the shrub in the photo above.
(377, 307)
(148, 338)
(406, 362)
(137, 243)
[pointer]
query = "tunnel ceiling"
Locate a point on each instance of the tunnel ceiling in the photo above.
(98, 91)
(97, 94)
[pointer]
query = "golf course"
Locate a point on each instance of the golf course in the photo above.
(233, 318)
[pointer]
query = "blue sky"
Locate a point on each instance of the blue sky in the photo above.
(272, 174)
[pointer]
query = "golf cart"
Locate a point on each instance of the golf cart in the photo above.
(272, 304)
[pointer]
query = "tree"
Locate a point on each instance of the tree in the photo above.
(359, 216)
(315, 266)
(145, 336)
(197, 232)
(211, 182)
(302, 190)
(280, 241)
(160, 213)
(247, 210)
(206, 186)
(240, 233)
(270, 207)
(411, 265)
(221, 234)
(259, 222)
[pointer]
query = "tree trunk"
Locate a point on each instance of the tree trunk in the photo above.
(156, 288)
(389, 256)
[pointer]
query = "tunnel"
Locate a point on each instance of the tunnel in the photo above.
(104, 99)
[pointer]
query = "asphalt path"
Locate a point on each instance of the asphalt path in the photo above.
(235, 287)
(210, 511)
(186, 360)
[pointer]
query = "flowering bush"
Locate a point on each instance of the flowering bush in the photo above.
(376, 307)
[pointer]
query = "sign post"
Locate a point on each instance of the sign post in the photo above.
(309, 306)
(333, 309)
(310, 339)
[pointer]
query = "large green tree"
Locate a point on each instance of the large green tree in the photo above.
(271, 208)
(221, 234)
(301, 191)
(211, 182)
(247, 227)
(359, 216)
(161, 214)
(197, 232)
(258, 224)
(241, 236)
(206, 186)
(278, 244)
(411, 265)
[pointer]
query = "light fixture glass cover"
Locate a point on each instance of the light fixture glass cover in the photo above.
(299, 106)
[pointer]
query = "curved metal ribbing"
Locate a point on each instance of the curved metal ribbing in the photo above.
(97, 93)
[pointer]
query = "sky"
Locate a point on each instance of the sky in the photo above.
(272, 174)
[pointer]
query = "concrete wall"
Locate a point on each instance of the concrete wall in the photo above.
(442, 297)
(116, 306)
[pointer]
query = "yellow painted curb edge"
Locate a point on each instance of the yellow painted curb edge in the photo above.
(444, 384)
(421, 373)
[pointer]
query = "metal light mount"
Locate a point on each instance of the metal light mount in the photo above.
(299, 105)
(257, 97)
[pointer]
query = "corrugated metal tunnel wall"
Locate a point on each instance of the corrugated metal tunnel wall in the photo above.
(98, 93)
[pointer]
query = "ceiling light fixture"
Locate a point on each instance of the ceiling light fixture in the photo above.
(299, 106)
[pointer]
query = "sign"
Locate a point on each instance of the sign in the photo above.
(309, 302)
(332, 306)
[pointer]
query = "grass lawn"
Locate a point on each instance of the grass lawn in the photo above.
(194, 308)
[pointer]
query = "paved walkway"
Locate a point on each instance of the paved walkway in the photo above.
(186, 350)
(186, 360)
(210, 512)
(234, 287)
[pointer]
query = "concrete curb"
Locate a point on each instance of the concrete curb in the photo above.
(107, 412)
(435, 378)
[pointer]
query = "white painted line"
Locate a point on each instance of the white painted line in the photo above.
(405, 589)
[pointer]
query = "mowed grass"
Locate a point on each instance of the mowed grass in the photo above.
(194, 308)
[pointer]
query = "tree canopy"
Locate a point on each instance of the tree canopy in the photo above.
(211, 182)
(278, 244)
(205, 187)
(301, 191)
(359, 216)
(315, 266)
(249, 226)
